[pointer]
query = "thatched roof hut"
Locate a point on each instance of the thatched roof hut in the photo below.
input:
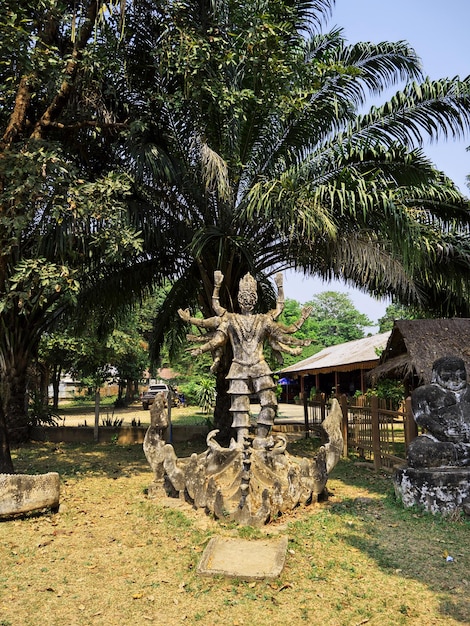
(414, 345)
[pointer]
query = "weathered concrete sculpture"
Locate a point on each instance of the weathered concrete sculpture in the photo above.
(254, 479)
(156, 432)
(438, 476)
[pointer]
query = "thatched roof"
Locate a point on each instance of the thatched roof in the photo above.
(345, 357)
(414, 345)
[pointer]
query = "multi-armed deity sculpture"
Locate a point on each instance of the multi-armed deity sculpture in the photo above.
(255, 478)
(249, 373)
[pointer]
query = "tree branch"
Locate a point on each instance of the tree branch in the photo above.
(18, 117)
(86, 124)
(62, 97)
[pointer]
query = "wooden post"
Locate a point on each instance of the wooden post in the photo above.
(411, 427)
(344, 424)
(374, 407)
(307, 427)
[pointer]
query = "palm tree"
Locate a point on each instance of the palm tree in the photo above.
(252, 155)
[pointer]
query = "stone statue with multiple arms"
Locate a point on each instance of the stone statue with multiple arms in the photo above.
(254, 479)
(247, 331)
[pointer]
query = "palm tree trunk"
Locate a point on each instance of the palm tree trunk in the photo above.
(222, 415)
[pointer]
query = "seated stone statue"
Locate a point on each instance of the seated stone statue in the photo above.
(442, 408)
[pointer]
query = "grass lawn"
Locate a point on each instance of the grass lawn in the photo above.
(112, 557)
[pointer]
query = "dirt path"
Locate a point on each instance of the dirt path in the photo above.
(76, 416)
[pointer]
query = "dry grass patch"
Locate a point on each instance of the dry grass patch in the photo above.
(112, 557)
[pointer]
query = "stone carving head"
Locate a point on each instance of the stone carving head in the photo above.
(247, 293)
(449, 372)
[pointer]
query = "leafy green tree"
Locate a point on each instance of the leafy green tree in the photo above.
(126, 354)
(92, 368)
(398, 312)
(252, 155)
(53, 228)
(130, 359)
(64, 219)
(335, 318)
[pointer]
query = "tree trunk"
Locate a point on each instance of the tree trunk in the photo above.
(6, 464)
(129, 390)
(120, 390)
(16, 405)
(44, 386)
(56, 374)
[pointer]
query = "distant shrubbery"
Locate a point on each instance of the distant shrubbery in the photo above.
(391, 390)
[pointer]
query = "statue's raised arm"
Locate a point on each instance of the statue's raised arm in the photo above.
(295, 326)
(218, 280)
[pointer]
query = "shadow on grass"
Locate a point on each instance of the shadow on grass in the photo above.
(413, 545)
(406, 543)
(81, 460)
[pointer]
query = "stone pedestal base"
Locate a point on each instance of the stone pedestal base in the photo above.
(442, 490)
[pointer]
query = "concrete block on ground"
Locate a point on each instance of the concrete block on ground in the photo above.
(244, 559)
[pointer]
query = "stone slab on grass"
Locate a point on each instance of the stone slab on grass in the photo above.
(22, 493)
(244, 559)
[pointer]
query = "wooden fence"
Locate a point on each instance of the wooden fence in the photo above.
(370, 429)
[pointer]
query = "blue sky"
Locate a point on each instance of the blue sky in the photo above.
(439, 32)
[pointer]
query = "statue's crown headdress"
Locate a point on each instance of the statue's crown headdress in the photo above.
(248, 284)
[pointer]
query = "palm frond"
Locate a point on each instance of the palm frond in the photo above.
(431, 109)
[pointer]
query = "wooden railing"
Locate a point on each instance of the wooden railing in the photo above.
(370, 430)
